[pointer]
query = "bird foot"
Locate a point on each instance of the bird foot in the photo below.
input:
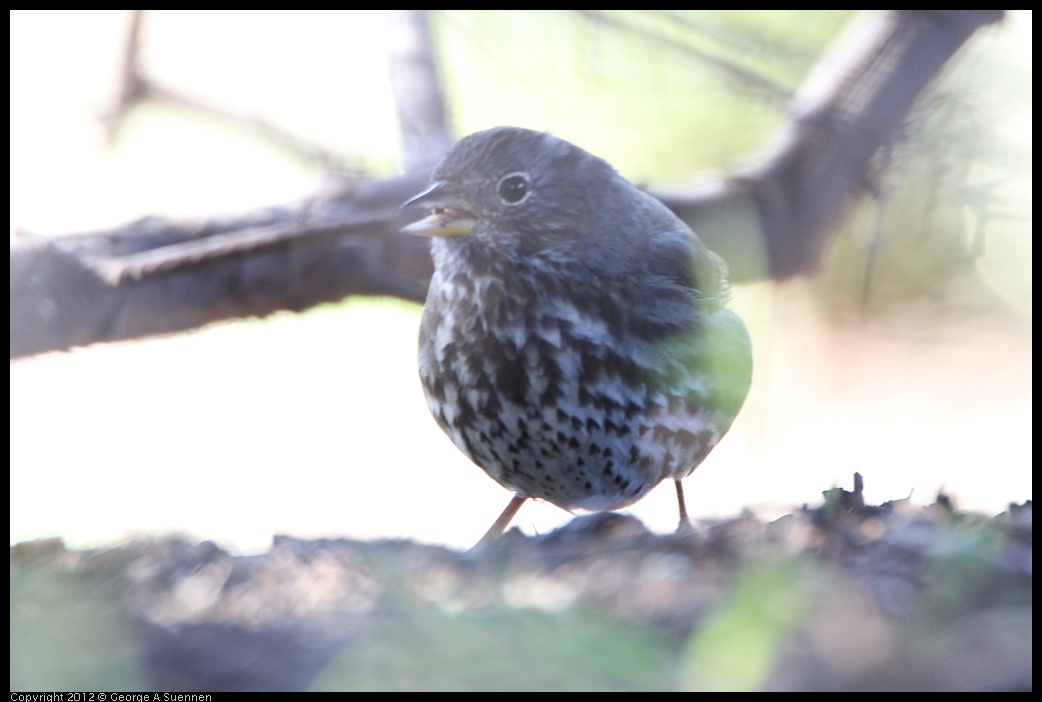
(500, 525)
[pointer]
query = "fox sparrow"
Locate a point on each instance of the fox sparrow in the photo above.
(574, 343)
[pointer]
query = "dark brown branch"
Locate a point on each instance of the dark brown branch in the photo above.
(156, 276)
(856, 101)
(417, 89)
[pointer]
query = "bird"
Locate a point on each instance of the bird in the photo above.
(575, 342)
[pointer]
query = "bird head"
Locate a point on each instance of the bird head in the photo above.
(512, 186)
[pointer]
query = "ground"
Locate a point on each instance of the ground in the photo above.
(843, 596)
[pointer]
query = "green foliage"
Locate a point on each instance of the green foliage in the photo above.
(659, 94)
(68, 632)
(741, 642)
(501, 649)
(948, 223)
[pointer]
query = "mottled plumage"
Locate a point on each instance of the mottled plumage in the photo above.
(574, 343)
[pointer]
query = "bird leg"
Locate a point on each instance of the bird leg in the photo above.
(501, 523)
(685, 524)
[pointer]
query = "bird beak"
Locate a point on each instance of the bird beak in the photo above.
(449, 215)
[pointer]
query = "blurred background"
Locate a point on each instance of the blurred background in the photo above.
(908, 358)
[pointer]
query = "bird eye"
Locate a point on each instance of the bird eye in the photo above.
(513, 188)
